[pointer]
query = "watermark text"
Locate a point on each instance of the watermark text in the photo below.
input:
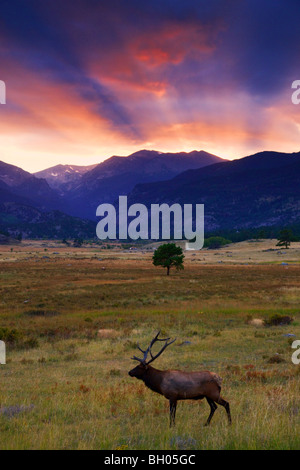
(296, 354)
(2, 92)
(162, 222)
(296, 94)
(2, 353)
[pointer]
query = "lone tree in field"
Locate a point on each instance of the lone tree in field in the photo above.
(168, 255)
(285, 238)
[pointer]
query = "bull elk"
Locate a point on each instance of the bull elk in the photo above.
(178, 385)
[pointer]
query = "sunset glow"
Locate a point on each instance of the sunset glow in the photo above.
(88, 80)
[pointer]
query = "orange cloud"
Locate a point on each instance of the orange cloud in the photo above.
(139, 65)
(171, 44)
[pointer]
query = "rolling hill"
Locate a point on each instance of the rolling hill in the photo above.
(30, 222)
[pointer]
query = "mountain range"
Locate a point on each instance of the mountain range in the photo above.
(254, 191)
(64, 177)
(118, 176)
(46, 203)
(61, 201)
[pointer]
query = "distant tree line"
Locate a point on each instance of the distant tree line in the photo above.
(239, 235)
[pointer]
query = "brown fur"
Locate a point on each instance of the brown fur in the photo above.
(178, 385)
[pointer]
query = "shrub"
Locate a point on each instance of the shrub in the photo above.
(41, 313)
(215, 242)
(10, 335)
(276, 359)
(15, 339)
(278, 320)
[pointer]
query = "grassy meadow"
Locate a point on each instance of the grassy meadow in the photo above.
(72, 317)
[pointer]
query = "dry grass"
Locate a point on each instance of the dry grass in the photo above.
(71, 390)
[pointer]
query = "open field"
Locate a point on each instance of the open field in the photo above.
(66, 383)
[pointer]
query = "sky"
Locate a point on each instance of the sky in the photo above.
(89, 79)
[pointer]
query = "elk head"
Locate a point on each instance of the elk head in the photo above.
(140, 369)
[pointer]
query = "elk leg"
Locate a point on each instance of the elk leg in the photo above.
(173, 405)
(225, 403)
(213, 408)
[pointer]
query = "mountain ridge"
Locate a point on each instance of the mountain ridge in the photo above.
(257, 190)
(260, 189)
(21, 183)
(62, 177)
(118, 176)
(81, 189)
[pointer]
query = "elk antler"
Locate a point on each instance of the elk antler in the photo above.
(148, 350)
